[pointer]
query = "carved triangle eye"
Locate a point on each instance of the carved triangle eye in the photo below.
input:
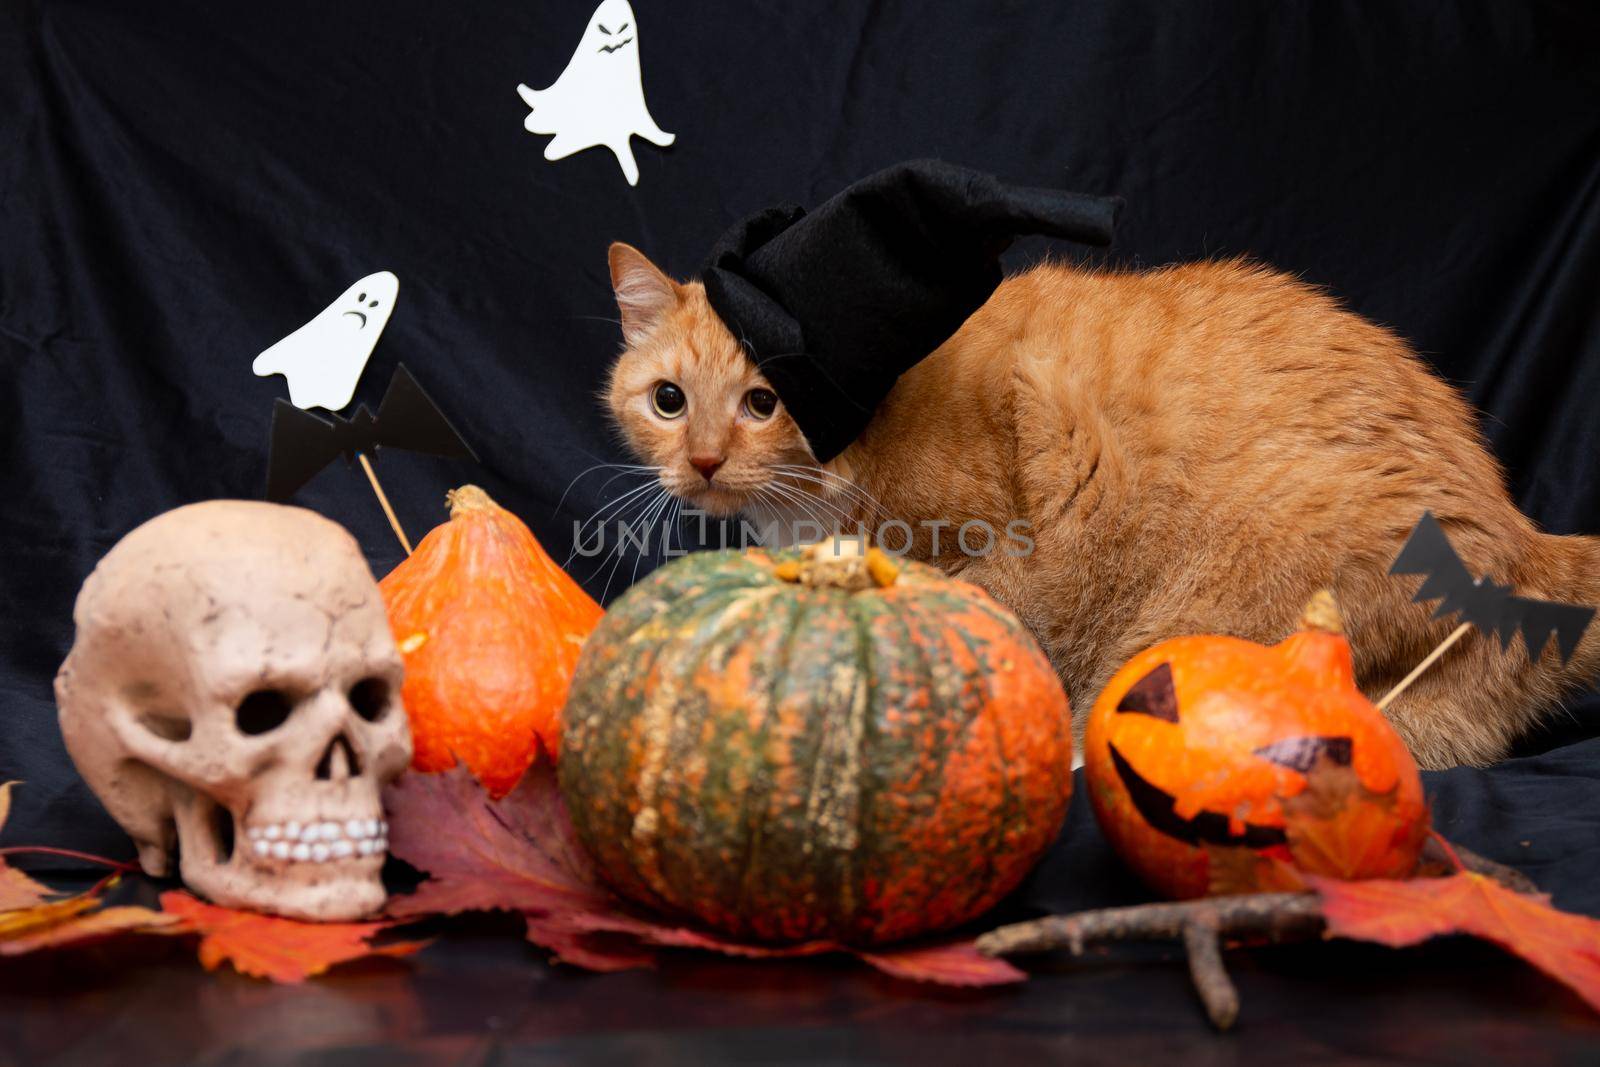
(1300, 753)
(1153, 695)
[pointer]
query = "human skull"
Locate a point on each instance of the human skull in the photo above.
(234, 691)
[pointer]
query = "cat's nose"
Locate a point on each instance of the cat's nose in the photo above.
(706, 465)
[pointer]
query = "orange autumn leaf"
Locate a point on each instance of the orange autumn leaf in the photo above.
(30, 920)
(1338, 827)
(17, 890)
(1400, 913)
(282, 950)
(74, 921)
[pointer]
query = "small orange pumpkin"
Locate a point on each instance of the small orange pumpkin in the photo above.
(1218, 765)
(490, 629)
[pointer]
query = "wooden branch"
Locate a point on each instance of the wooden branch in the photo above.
(1202, 943)
(1263, 916)
(1199, 924)
(1202, 925)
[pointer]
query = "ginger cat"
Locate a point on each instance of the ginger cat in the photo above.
(1195, 449)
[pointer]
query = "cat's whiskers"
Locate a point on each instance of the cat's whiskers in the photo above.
(776, 516)
(623, 470)
(613, 509)
(840, 515)
(642, 472)
(635, 510)
(640, 533)
(828, 480)
(614, 506)
(804, 505)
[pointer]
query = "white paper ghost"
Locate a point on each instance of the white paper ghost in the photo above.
(324, 358)
(599, 99)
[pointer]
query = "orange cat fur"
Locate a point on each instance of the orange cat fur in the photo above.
(1195, 449)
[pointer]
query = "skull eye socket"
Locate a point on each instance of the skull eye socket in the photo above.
(263, 711)
(370, 699)
(167, 727)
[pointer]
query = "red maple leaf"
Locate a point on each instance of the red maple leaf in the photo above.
(1400, 913)
(521, 854)
(266, 946)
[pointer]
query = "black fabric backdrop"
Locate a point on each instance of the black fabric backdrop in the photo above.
(183, 183)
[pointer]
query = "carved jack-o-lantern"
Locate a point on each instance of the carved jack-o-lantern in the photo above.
(1219, 765)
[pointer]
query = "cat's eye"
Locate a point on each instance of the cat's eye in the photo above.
(760, 403)
(668, 400)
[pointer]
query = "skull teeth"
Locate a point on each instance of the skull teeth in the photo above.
(320, 841)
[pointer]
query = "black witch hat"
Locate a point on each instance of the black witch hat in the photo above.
(833, 306)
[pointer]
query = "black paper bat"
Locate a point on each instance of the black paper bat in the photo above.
(303, 443)
(1490, 607)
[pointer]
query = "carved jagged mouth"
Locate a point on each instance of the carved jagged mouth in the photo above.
(614, 47)
(1157, 808)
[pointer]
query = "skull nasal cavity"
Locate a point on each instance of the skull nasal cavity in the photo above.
(263, 711)
(338, 761)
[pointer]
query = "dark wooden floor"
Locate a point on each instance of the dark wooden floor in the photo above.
(481, 997)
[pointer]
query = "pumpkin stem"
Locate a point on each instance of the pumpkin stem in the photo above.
(841, 563)
(1321, 615)
(467, 499)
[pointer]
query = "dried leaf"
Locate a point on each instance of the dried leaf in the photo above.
(282, 950)
(1236, 869)
(1337, 826)
(20, 922)
(74, 921)
(614, 940)
(1399, 913)
(30, 921)
(515, 854)
(17, 890)
(956, 964)
(522, 854)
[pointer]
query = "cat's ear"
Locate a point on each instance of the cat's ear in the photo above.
(644, 294)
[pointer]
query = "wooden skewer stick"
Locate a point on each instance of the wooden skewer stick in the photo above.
(383, 500)
(1433, 657)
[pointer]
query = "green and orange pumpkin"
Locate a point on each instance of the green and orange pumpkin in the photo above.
(812, 744)
(1217, 765)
